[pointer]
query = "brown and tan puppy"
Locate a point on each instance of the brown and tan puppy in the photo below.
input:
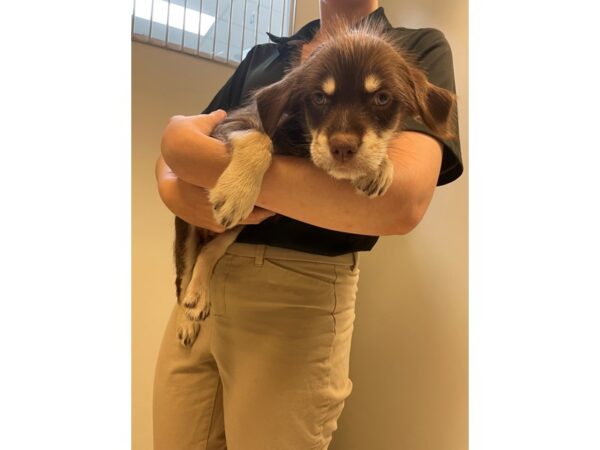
(349, 98)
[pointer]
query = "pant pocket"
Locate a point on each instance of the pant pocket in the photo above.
(217, 287)
(302, 271)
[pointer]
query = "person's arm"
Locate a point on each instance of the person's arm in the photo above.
(296, 188)
(191, 202)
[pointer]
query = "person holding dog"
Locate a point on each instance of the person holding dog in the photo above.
(270, 367)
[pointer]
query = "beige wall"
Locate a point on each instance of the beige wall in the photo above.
(164, 83)
(409, 354)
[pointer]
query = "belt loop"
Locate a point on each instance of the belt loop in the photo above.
(259, 254)
(355, 259)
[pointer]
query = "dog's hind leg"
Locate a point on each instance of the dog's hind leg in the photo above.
(196, 300)
(237, 189)
(185, 253)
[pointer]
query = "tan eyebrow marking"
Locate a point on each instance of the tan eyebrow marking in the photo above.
(329, 86)
(372, 83)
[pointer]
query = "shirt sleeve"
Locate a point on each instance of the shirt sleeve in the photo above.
(434, 56)
(228, 96)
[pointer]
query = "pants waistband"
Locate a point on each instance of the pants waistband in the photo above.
(260, 251)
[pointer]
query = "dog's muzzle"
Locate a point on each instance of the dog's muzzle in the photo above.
(343, 146)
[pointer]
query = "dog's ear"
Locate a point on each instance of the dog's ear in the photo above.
(273, 101)
(434, 105)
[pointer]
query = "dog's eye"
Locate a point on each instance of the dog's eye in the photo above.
(319, 98)
(381, 98)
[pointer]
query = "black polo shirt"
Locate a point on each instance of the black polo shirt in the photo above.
(267, 63)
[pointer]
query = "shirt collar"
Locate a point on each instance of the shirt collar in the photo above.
(307, 32)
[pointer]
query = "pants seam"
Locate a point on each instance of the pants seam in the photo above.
(335, 299)
(259, 254)
(323, 419)
(224, 291)
(219, 382)
(212, 414)
(355, 259)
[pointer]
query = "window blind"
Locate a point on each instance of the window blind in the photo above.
(221, 30)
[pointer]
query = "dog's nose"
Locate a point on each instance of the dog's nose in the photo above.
(343, 146)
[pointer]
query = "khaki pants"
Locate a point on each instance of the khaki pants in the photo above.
(269, 369)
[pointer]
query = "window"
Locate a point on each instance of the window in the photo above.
(222, 30)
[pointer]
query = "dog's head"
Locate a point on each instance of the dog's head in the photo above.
(355, 89)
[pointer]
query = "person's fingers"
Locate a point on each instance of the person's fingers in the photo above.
(257, 215)
(214, 227)
(207, 122)
(220, 114)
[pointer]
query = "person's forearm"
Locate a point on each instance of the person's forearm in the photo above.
(296, 188)
(191, 203)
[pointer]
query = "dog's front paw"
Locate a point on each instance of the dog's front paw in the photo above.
(232, 201)
(187, 331)
(377, 183)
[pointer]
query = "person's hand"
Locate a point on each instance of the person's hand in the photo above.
(191, 202)
(190, 151)
(203, 123)
(185, 134)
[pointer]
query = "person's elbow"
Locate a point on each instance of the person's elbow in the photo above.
(407, 218)
(166, 185)
(165, 193)
(413, 218)
(403, 223)
(172, 141)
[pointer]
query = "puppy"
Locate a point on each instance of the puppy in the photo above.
(348, 99)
